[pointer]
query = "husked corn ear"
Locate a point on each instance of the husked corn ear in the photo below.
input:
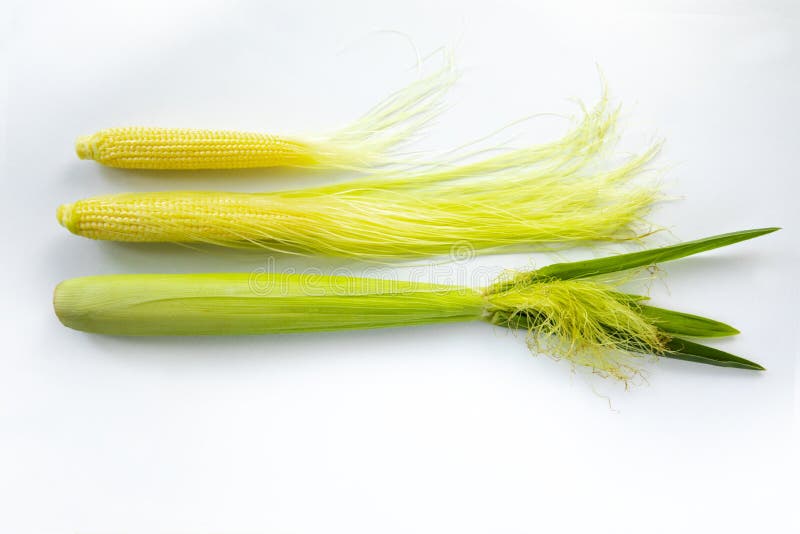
(179, 148)
(559, 192)
(173, 217)
(370, 141)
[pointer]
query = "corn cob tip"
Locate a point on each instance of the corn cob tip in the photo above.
(84, 147)
(57, 305)
(65, 215)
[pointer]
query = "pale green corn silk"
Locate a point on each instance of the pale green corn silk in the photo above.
(559, 193)
(581, 316)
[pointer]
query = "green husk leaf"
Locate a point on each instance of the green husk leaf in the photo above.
(675, 348)
(681, 349)
(245, 303)
(686, 324)
(623, 262)
(514, 321)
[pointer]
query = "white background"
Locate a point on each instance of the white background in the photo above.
(451, 428)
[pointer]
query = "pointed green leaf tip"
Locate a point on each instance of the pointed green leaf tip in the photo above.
(686, 324)
(622, 262)
(681, 349)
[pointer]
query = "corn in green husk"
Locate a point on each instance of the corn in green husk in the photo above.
(570, 310)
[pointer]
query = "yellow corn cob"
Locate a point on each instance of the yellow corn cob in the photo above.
(367, 142)
(180, 148)
(174, 217)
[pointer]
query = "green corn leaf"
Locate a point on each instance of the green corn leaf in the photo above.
(677, 348)
(675, 322)
(622, 262)
(681, 349)
(514, 321)
(671, 322)
(686, 324)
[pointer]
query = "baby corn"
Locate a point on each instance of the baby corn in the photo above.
(366, 143)
(180, 148)
(561, 192)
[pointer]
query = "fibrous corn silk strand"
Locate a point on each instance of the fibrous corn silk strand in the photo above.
(586, 321)
(560, 192)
